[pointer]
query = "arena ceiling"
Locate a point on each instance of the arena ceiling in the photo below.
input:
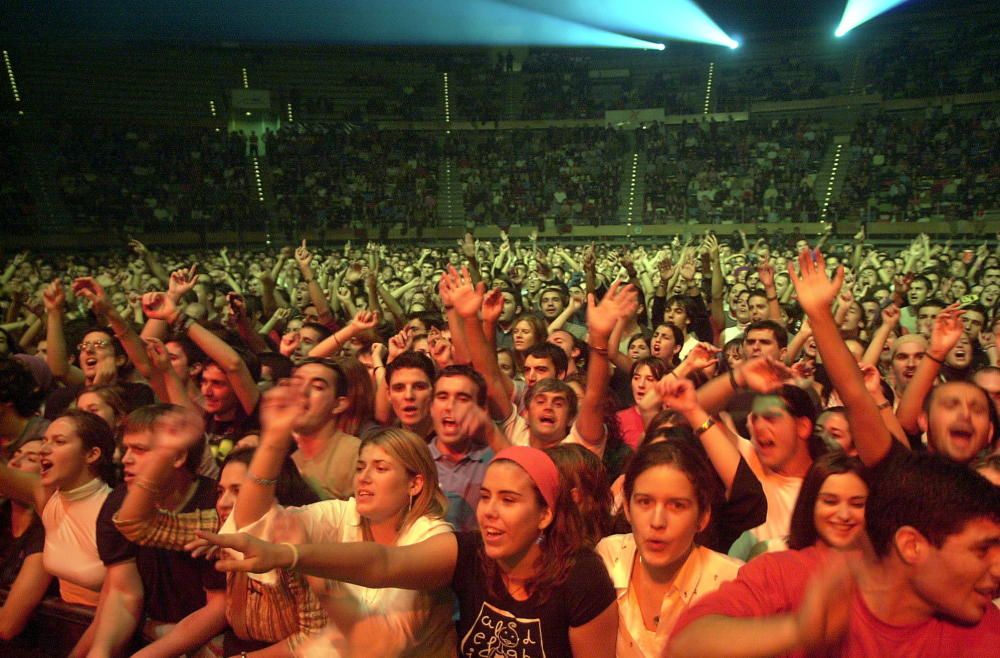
(296, 20)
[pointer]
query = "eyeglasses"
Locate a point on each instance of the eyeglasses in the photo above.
(93, 345)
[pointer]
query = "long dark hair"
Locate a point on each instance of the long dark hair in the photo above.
(561, 542)
(94, 432)
(803, 526)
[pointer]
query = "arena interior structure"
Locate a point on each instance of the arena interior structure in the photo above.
(206, 141)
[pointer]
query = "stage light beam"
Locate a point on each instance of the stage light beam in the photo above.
(860, 11)
(682, 20)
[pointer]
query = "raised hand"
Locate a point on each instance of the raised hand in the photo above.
(354, 273)
(446, 288)
(677, 393)
(281, 315)
(948, 329)
(365, 320)
(890, 315)
(764, 374)
(618, 303)
(280, 408)
(159, 306)
(467, 298)
(815, 290)
(711, 245)
(302, 255)
(88, 288)
(765, 274)
(237, 306)
(182, 281)
(701, 356)
(178, 430)
(468, 246)
(157, 353)
(400, 342)
(492, 306)
(289, 343)
(54, 296)
(439, 346)
(138, 247)
(873, 380)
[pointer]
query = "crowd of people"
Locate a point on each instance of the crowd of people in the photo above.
(734, 171)
(153, 178)
(937, 165)
(339, 176)
(525, 176)
(693, 448)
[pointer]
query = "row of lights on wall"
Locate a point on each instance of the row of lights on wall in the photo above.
(833, 178)
(257, 179)
(13, 81)
(631, 189)
(447, 102)
(708, 87)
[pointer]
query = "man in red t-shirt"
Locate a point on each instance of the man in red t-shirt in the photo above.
(927, 589)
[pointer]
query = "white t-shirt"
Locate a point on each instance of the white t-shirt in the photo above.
(405, 622)
(781, 492)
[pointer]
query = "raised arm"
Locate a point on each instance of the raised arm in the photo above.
(93, 292)
(719, 442)
(947, 331)
(152, 263)
(279, 409)
(468, 300)
(56, 356)
(332, 344)
(160, 306)
(765, 272)
(890, 320)
(816, 292)
(616, 305)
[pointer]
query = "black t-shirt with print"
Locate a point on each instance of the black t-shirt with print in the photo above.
(507, 627)
(174, 583)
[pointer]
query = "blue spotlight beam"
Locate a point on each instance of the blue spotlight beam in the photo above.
(860, 11)
(375, 22)
(683, 20)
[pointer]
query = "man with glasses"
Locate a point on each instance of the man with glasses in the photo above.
(99, 357)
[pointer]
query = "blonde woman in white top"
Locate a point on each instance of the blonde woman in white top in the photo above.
(76, 469)
(658, 570)
(397, 502)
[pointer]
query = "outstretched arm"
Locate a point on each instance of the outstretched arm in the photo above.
(429, 564)
(816, 292)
